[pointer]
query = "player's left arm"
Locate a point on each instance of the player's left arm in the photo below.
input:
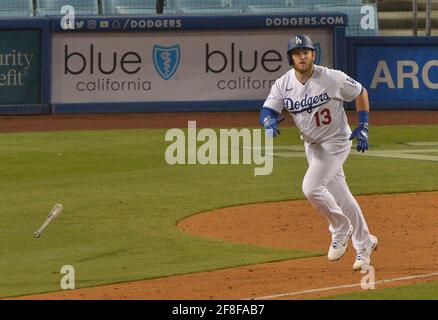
(361, 132)
(348, 89)
(362, 102)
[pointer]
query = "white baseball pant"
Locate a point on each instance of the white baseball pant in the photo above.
(325, 187)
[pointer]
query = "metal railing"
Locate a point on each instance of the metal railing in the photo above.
(408, 17)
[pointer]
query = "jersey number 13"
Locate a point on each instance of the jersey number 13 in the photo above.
(323, 117)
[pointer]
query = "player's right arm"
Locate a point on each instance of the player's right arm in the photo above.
(270, 119)
(270, 114)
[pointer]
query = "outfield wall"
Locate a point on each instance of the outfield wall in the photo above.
(193, 63)
(166, 63)
(398, 72)
(25, 51)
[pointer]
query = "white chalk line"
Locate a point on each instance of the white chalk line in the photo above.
(428, 275)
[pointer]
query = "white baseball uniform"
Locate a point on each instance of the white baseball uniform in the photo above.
(317, 109)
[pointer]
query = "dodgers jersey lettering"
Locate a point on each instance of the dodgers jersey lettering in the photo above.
(316, 106)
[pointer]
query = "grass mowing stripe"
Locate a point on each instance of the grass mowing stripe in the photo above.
(418, 291)
(429, 275)
(121, 202)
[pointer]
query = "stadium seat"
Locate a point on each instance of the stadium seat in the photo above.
(53, 7)
(277, 10)
(325, 2)
(281, 3)
(134, 7)
(201, 4)
(205, 7)
(284, 6)
(16, 8)
(269, 3)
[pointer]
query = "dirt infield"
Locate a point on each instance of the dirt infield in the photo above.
(179, 120)
(406, 225)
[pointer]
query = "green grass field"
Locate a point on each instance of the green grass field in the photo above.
(122, 200)
(419, 291)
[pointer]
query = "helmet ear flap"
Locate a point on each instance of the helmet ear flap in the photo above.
(289, 59)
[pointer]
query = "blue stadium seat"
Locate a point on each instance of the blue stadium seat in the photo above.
(201, 4)
(16, 8)
(134, 7)
(354, 18)
(280, 3)
(268, 3)
(269, 6)
(284, 6)
(278, 10)
(205, 7)
(324, 2)
(53, 7)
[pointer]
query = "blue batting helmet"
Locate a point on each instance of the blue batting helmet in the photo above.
(299, 41)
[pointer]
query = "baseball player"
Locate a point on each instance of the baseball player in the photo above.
(314, 97)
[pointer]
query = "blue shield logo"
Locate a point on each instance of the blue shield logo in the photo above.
(166, 60)
(317, 53)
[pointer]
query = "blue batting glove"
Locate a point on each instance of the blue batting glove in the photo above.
(361, 134)
(271, 125)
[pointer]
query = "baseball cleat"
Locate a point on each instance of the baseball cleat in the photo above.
(363, 257)
(337, 249)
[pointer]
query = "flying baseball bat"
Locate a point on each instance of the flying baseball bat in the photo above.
(56, 210)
